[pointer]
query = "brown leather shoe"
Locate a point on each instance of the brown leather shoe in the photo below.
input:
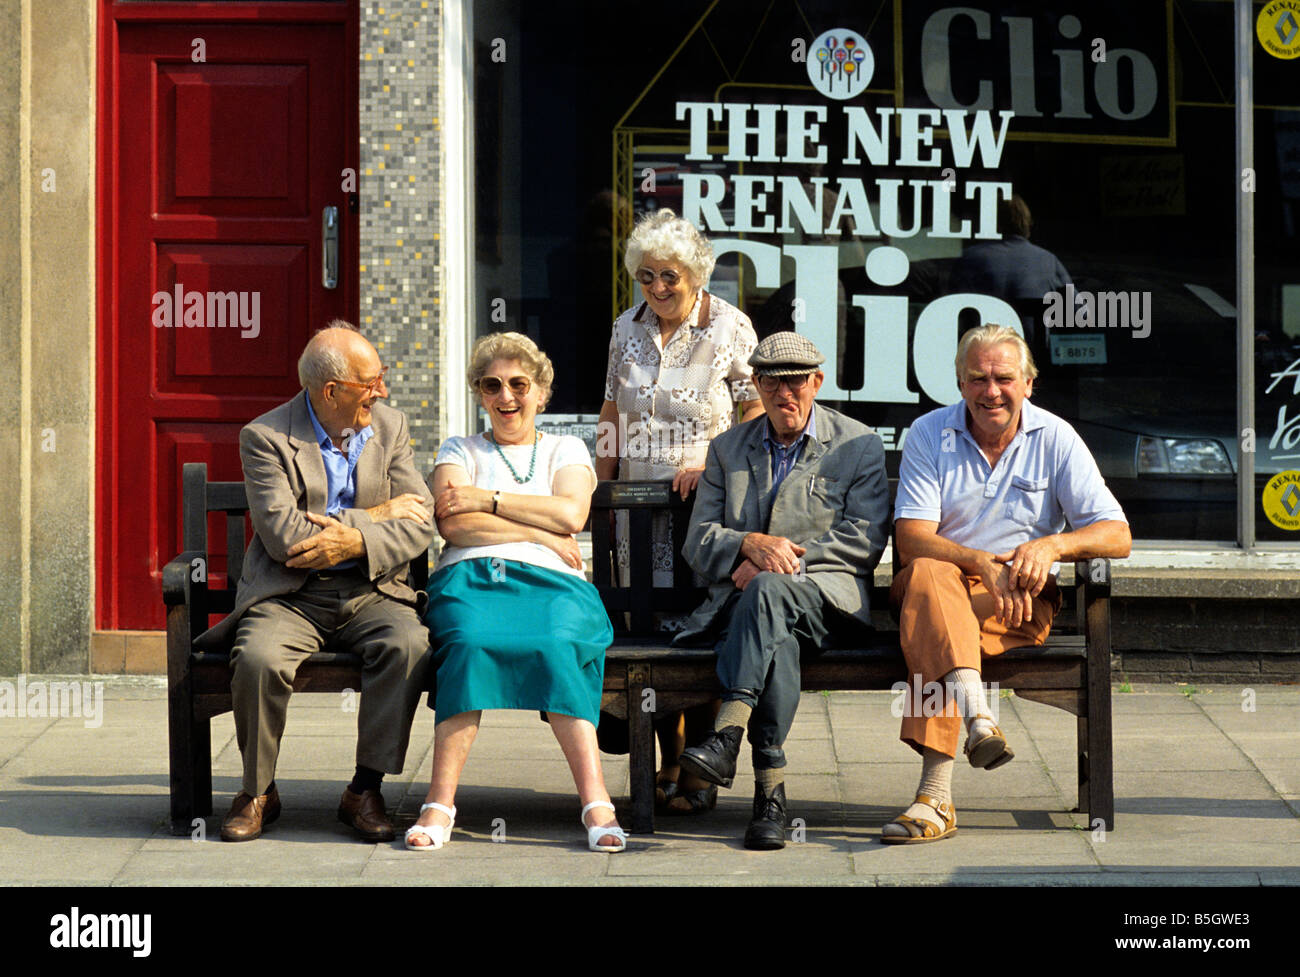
(249, 814)
(365, 812)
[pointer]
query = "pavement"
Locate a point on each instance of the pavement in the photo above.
(1207, 792)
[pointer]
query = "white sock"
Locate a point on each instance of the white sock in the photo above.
(968, 691)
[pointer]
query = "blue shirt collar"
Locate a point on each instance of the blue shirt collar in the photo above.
(322, 438)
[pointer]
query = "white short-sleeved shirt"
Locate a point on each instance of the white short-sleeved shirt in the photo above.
(481, 459)
(1046, 477)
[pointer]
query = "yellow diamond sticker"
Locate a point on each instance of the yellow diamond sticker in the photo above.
(1281, 500)
(1278, 30)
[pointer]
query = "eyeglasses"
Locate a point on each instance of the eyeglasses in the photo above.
(491, 386)
(647, 277)
(770, 384)
(370, 386)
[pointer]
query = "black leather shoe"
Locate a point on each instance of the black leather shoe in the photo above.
(714, 759)
(767, 831)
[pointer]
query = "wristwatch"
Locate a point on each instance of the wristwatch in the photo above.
(496, 499)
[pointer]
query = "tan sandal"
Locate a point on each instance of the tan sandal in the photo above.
(921, 831)
(990, 751)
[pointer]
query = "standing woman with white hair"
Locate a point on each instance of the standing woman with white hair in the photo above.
(678, 375)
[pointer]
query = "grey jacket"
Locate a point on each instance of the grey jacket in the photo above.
(284, 474)
(835, 502)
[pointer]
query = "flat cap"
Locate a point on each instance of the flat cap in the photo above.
(784, 354)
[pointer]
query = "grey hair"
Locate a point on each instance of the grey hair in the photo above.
(994, 335)
(511, 346)
(323, 361)
(666, 237)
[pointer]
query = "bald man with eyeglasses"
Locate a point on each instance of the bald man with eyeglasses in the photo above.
(338, 511)
(790, 520)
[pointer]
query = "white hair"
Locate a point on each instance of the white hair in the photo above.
(666, 237)
(993, 335)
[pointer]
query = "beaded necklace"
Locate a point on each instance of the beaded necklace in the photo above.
(532, 465)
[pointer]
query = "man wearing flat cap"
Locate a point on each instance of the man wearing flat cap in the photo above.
(790, 518)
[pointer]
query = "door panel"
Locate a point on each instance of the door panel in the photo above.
(212, 262)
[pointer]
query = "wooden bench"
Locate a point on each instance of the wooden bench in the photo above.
(644, 674)
(1071, 672)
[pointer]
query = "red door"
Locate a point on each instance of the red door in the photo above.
(221, 147)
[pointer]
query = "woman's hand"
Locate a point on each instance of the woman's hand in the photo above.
(405, 506)
(565, 546)
(457, 500)
(685, 481)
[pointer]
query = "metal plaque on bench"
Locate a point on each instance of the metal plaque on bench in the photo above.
(640, 493)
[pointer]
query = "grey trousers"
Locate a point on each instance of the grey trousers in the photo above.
(769, 624)
(341, 613)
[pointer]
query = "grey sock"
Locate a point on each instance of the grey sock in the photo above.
(936, 775)
(936, 782)
(769, 778)
(733, 713)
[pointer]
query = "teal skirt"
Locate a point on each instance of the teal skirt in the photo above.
(511, 635)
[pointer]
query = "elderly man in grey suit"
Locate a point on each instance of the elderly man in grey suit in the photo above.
(339, 510)
(790, 519)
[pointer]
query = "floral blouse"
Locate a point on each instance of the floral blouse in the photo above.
(674, 400)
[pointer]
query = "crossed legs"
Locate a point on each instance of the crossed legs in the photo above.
(947, 625)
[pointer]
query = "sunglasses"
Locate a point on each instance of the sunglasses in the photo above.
(647, 277)
(770, 385)
(491, 386)
(370, 386)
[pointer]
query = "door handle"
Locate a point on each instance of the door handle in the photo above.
(329, 239)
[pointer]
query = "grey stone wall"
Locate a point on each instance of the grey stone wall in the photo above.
(401, 215)
(1181, 639)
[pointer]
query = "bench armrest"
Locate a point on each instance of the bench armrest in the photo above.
(178, 583)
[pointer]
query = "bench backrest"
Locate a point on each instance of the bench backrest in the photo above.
(632, 605)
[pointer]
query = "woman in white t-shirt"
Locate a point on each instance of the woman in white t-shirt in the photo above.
(513, 622)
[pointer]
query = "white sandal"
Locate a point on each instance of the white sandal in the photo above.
(596, 832)
(438, 834)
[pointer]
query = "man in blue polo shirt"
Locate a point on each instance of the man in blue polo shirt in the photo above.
(986, 488)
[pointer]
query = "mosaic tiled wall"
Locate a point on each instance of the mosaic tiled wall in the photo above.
(401, 213)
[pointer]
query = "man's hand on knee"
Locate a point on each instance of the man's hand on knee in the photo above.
(744, 573)
(1030, 563)
(1015, 605)
(775, 554)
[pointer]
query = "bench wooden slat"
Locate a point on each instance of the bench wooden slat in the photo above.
(234, 549)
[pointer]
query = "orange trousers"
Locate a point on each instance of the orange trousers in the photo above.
(947, 620)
